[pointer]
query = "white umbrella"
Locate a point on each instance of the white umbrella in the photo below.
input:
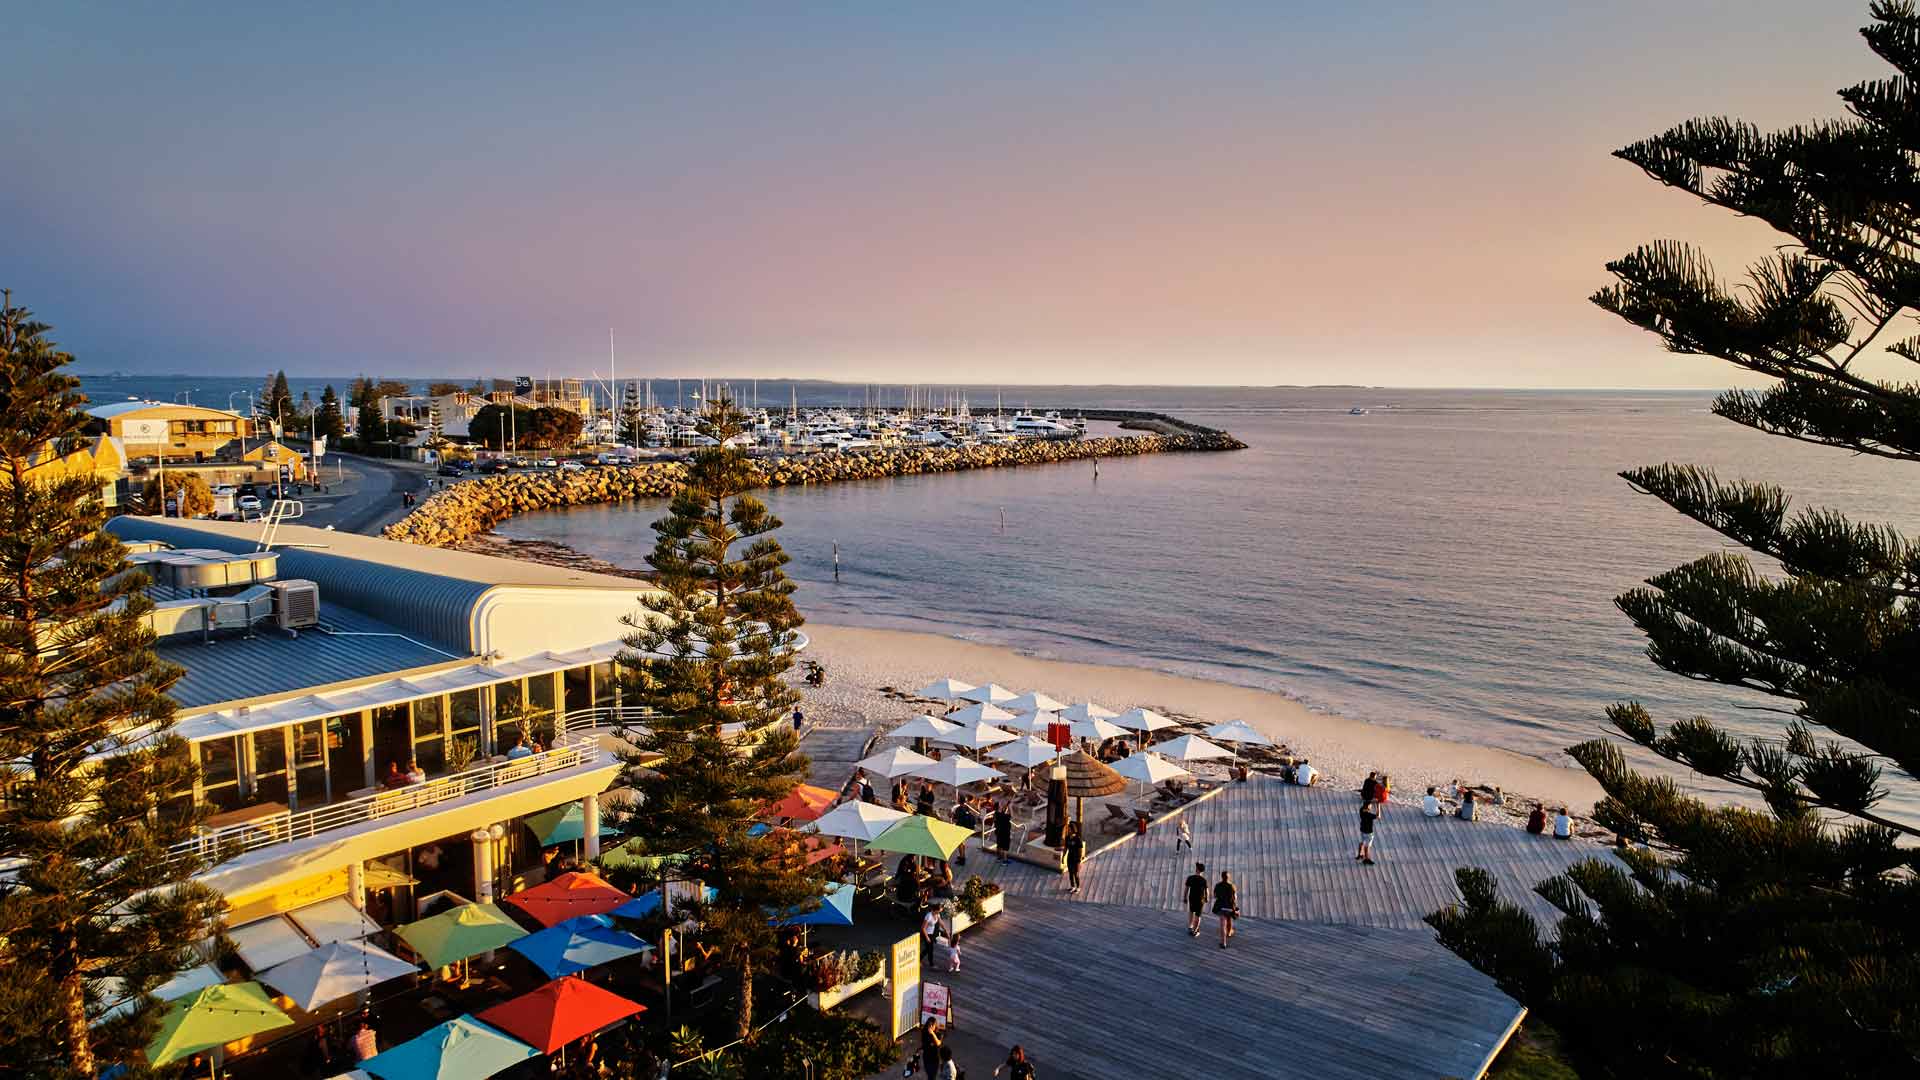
(1087, 710)
(1238, 731)
(896, 762)
(1028, 752)
(982, 713)
(959, 769)
(1148, 767)
(991, 694)
(857, 820)
(334, 971)
(924, 727)
(1143, 720)
(1096, 728)
(1034, 722)
(976, 737)
(1193, 748)
(944, 690)
(1034, 702)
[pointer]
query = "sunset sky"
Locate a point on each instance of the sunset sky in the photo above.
(1392, 193)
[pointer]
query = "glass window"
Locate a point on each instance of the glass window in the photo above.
(465, 711)
(309, 745)
(270, 750)
(578, 686)
(428, 718)
(220, 772)
(310, 764)
(508, 699)
(540, 695)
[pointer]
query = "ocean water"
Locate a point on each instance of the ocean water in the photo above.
(1446, 562)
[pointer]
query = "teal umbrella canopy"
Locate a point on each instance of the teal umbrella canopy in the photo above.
(460, 1049)
(563, 825)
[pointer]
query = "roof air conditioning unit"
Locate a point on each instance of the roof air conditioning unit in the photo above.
(296, 603)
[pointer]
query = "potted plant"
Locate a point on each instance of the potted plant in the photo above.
(840, 975)
(979, 899)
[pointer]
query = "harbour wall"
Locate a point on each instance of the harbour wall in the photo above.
(469, 508)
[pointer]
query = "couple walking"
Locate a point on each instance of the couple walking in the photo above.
(1226, 901)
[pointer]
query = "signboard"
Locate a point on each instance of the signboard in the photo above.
(319, 447)
(143, 431)
(903, 983)
(1059, 735)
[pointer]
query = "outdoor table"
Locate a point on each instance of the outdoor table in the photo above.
(267, 817)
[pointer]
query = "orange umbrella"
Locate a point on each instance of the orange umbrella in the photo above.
(568, 896)
(804, 803)
(558, 1013)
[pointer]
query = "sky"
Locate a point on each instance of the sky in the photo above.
(1392, 193)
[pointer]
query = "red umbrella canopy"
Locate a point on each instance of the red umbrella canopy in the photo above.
(558, 1013)
(566, 897)
(804, 803)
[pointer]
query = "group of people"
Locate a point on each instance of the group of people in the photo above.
(1226, 901)
(1562, 822)
(414, 774)
(1467, 808)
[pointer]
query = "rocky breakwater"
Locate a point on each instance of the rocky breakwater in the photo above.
(472, 507)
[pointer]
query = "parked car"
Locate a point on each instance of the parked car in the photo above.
(572, 466)
(522, 463)
(549, 463)
(225, 489)
(463, 464)
(448, 469)
(248, 504)
(496, 465)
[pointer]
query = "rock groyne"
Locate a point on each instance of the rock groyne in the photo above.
(472, 507)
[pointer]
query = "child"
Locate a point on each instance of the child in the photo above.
(1185, 836)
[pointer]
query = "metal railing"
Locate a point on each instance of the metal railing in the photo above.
(287, 826)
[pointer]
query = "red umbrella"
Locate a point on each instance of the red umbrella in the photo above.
(558, 1013)
(566, 897)
(804, 803)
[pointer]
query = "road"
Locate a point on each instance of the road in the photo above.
(363, 494)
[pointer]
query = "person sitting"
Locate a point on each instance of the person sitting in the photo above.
(940, 881)
(1468, 811)
(395, 778)
(1304, 773)
(924, 805)
(1562, 825)
(1430, 805)
(415, 774)
(519, 749)
(1537, 820)
(906, 883)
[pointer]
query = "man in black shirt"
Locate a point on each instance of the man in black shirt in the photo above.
(1196, 898)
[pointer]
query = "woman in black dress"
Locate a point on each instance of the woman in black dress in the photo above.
(1226, 904)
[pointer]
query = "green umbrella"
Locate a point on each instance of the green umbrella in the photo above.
(211, 1017)
(628, 856)
(452, 936)
(921, 835)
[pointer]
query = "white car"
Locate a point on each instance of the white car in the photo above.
(572, 466)
(249, 504)
(549, 463)
(225, 489)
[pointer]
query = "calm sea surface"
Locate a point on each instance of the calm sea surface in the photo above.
(1445, 563)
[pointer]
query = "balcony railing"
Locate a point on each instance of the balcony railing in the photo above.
(287, 826)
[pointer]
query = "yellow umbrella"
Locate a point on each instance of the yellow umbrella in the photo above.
(214, 1016)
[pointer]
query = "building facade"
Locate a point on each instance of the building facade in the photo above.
(147, 429)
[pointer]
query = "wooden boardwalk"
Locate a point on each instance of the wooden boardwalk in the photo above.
(1097, 991)
(1291, 851)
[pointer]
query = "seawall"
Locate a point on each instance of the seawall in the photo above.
(472, 507)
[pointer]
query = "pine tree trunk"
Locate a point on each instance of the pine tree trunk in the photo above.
(73, 1004)
(746, 995)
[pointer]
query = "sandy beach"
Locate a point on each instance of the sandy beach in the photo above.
(868, 669)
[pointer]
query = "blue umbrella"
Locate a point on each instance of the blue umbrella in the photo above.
(649, 902)
(460, 1049)
(563, 825)
(578, 944)
(836, 909)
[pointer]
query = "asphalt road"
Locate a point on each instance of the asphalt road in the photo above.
(364, 494)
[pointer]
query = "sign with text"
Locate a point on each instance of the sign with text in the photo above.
(143, 431)
(903, 981)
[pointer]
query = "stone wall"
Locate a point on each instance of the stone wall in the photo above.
(471, 507)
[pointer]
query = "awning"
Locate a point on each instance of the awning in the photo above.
(333, 920)
(268, 942)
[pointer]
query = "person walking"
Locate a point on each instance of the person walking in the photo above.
(1369, 815)
(1226, 904)
(1003, 829)
(1017, 1065)
(1196, 898)
(1183, 835)
(1076, 850)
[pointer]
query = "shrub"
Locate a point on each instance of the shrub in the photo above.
(973, 896)
(840, 1047)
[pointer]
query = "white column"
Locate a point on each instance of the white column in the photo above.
(357, 884)
(590, 822)
(482, 866)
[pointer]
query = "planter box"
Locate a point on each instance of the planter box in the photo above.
(827, 999)
(991, 905)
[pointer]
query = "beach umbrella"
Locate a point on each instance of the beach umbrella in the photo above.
(1033, 702)
(460, 1049)
(1086, 710)
(578, 944)
(568, 896)
(857, 820)
(454, 935)
(804, 803)
(563, 824)
(1028, 752)
(633, 855)
(923, 727)
(1144, 721)
(990, 694)
(1148, 767)
(1095, 727)
(1034, 723)
(896, 762)
(1238, 731)
(334, 971)
(944, 690)
(1088, 778)
(212, 1017)
(982, 713)
(977, 737)
(648, 902)
(1193, 748)
(959, 770)
(381, 876)
(836, 909)
(559, 1012)
(918, 834)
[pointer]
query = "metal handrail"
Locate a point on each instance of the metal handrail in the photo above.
(567, 752)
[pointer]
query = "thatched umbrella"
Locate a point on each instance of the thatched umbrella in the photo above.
(1088, 778)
